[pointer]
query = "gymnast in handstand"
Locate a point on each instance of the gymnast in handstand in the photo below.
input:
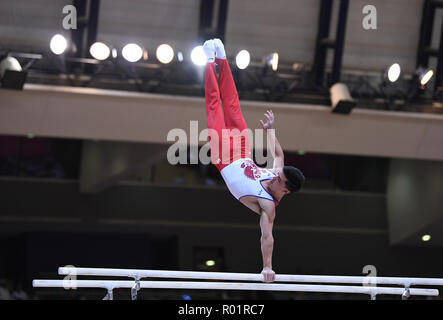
(257, 188)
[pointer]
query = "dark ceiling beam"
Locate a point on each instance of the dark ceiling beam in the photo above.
(86, 33)
(222, 17)
(92, 25)
(425, 51)
(439, 71)
(323, 43)
(77, 35)
(424, 44)
(205, 20)
(437, 3)
(94, 8)
(339, 41)
(212, 21)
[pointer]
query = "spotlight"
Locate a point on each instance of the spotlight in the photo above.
(243, 58)
(341, 99)
(165, 53)
(426, 237)
(424, 76)
(58, 44)
(114, 53)
(198, 56)
(9, 63)
(272, 60)
(297, 66)
(180, 56)
(99, 51)
(393, 72)
(132, 52)
(11, 74)
(210, 263)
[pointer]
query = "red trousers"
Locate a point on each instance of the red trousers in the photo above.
(227, 130)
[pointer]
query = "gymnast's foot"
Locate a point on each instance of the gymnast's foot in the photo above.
(219, 49)
(209, 49)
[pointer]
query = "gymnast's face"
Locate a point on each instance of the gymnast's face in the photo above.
(278, 184)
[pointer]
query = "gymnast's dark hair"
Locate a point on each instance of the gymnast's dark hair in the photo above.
(295, 178)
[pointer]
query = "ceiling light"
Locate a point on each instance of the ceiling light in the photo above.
(132, 52)
(12, 75)
(99, 51)
(114, 53)
(341, 99)
(198, 56)
(394, 72)
(165, 53)
(58, 44)
(425, 75)
(242, 59)
(274, 61)
(210, 263)
(180, 56)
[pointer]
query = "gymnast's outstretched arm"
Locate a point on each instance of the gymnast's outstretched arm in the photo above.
(277, 151)
(267, 240)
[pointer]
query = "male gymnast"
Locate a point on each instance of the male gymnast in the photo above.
(257, 188)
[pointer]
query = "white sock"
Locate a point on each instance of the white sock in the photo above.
(209, 49)
(219, 49)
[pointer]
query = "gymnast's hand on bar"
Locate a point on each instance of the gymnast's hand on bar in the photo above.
(268, 275)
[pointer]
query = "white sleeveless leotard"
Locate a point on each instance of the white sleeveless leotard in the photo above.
(244, 178)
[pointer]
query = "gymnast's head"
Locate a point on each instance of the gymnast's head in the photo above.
(289, 180)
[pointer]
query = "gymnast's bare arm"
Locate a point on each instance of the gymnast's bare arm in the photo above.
(267, 215)
(277, 151)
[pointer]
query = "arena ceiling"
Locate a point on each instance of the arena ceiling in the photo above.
(286, 26)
